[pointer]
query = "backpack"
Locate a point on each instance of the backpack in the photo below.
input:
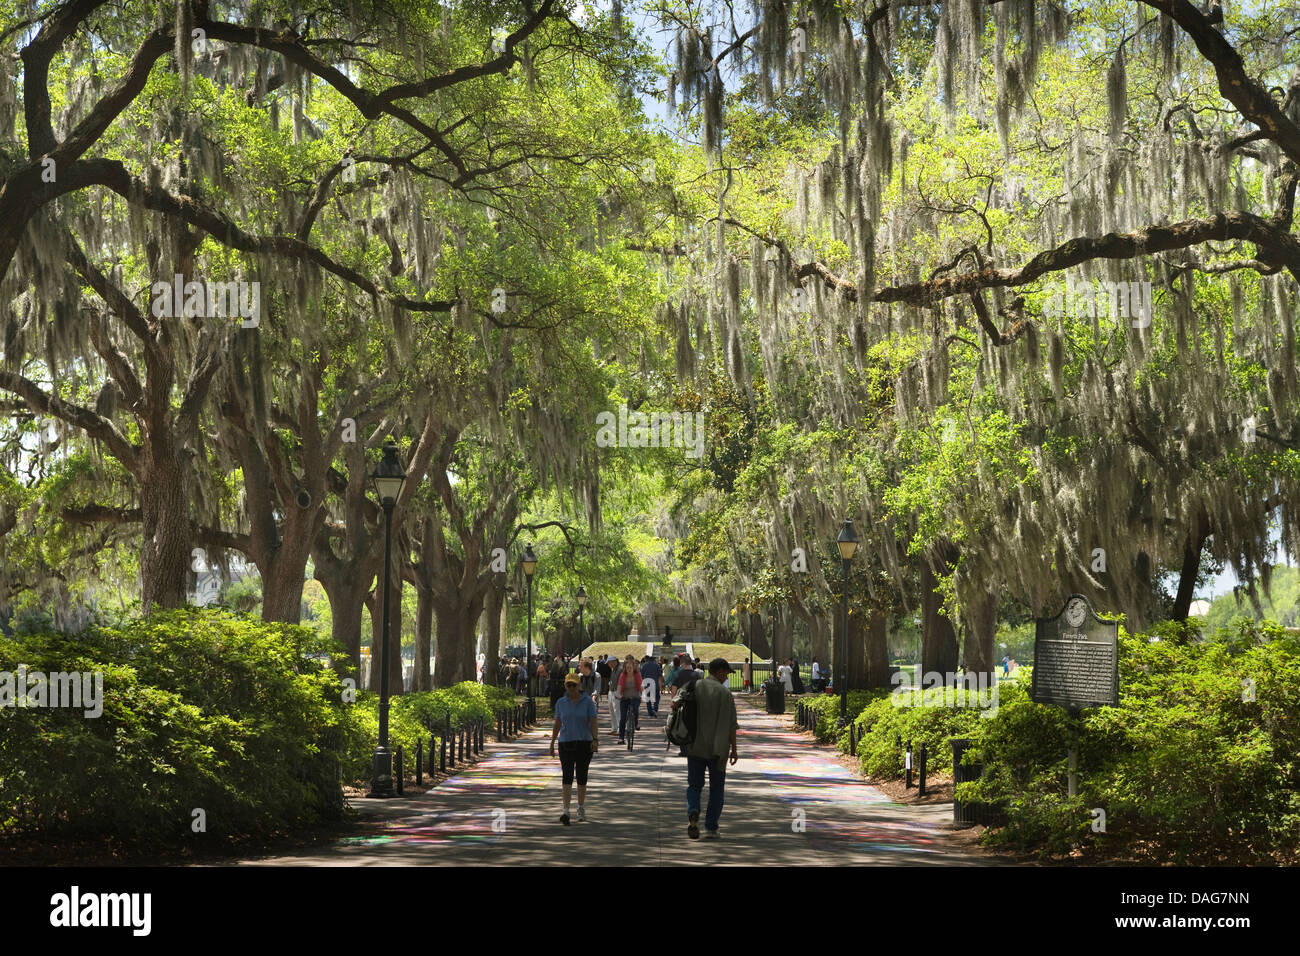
(682, 722)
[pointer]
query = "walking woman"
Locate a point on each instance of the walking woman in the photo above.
(576, 726)
(629, 697)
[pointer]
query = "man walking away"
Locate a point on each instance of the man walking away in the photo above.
(576, 726)
(713, 748)
(653, 672)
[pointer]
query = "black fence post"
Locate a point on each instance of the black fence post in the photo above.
(419, 761)
(399, 773)
(907, 761)
(442, 753)
(921, 789)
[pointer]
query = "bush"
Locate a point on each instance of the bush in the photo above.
(200, 710)
(827, 707)
(930, 717)
(411, 718)
(1187, 768)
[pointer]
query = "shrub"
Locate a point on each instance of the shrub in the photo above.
(1187, 767)
(930, 717)
(827, 707)
(201, 709)
(411, 718)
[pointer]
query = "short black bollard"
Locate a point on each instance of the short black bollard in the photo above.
(442, 753)
(921, 789)
(853, 739)
(907, 762)
(500, 728)
(398, 769)
(419, 761)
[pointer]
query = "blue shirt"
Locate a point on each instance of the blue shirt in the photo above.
(652, 669)
(575, 717)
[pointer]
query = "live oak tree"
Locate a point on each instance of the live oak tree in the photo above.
(984, 155)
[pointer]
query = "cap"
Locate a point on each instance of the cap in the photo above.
(718, 664)
(572, 679)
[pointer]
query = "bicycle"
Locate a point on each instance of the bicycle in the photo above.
(629, 730)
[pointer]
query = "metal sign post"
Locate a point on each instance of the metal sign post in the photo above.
(1076, 665)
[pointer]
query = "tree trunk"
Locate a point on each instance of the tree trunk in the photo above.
(283, 578)
(857, 652)
(782, 630)
(820, 644)
(938, 638)
(493, 631)
(376, 622)
(758, 641)
(423, 638)
(981, 629)
(455, 641)
(877, 650)
(1191, 567)
(395, 684)
(164, 513)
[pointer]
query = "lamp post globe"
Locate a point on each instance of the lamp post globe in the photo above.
(388, 478)
(847, 542)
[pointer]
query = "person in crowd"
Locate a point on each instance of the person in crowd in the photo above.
(796, 679)
(745, 673)
(589, 679)
(783, 675)
(712, 749)
(612, 694)
(816, 676)
(577, 729)
(670, 675)
(653, 673)
(629, 696)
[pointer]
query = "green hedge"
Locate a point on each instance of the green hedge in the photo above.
(1185, 769)
(929, 717)
(410, 718)
(827, 707)
(200, 710)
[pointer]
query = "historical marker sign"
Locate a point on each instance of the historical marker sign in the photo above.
(1076, 658)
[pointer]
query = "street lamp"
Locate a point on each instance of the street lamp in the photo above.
(582, 602)
(529, 561)
(388, 480)
(848, 544)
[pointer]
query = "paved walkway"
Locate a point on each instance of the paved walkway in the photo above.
(787, 803)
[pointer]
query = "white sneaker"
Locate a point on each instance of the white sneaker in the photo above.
(711, 835)
(582, 815)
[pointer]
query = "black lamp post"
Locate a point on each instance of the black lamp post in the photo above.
(582, 602)
(529, 561)
(388, 480)
(848, 544)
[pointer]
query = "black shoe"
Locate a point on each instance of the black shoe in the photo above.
(564, 818)
(693, 827)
